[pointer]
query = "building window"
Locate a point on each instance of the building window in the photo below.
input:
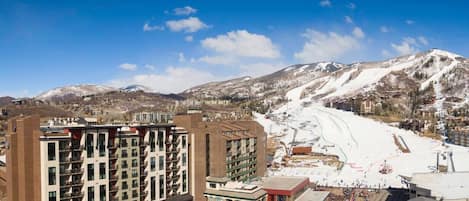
(51, 151)
(53, 196)
(124, 153)
(134, 193)
(124, 164)
(89, 145)
(213, 185)
(91, 193)
(184, 181)
(134, 153)
(134, 173)
(125, 196)
(161, 163)
(52, 176)
(102, 193)
(184, 142)
(152, 188)
(152, 142)
(134, 163)
(134, 183)
(124, 185)
(161, 186)
(101, 145)
(153, 164)
(184, 159)
(134, 142)
(90, 172)
(124, 175)
(123, 143)
(160, 140)
(102, 171)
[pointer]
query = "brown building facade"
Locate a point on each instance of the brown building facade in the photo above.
(96, 162)
(232, 149)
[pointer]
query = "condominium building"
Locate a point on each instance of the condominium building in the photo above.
(231, 149)
(96, 162)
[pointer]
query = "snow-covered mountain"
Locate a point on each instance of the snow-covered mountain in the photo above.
(136, 87)
(265, 86)
(74, 90)
(446, 72)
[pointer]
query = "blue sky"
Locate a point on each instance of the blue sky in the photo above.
(172, 45)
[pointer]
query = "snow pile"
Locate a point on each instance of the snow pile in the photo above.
(77, 90)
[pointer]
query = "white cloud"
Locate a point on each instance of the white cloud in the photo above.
(351, 5)
(187, 10)
(407, 46)
(358, 32)
(129, 67)
(423, 40)
(150, 67)
(410, 22)
(181, 57)
(241, 43)
(175, 79)
(189, 25)
(220, 59)
(326, 46)
(325, 3)
(348, 19)
(188, 38)
(148, 27)
(384, 29)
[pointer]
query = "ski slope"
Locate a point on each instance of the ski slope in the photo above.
(362, 144)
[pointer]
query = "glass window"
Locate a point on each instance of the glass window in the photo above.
(184, 159)
(125, 196)
(90, 172)
(153, 164)
(134, 194)
(124, 175)
(89, 145)
(152, 142)
(134, 183)
(184, 181)
(124, 164)
(51, 151)
(160, 140)
(134, 153)
(124, 153)
(101, 145)
(134, 142)
(102, 193)
(134, 173)
(152, 188)
(102, 171)
(161, 163)
(184, 142)
(53, 196)
(52, 176)
(125, 185)
(161, 186)
(91, 193)
(134, 163)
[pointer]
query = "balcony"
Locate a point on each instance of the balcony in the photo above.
(78, 148)
(64, 149)
(113, 189)
(112, 146)
(113, 157)
(175, 159)
(113, 178)
(73, 195)
(77, 160)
